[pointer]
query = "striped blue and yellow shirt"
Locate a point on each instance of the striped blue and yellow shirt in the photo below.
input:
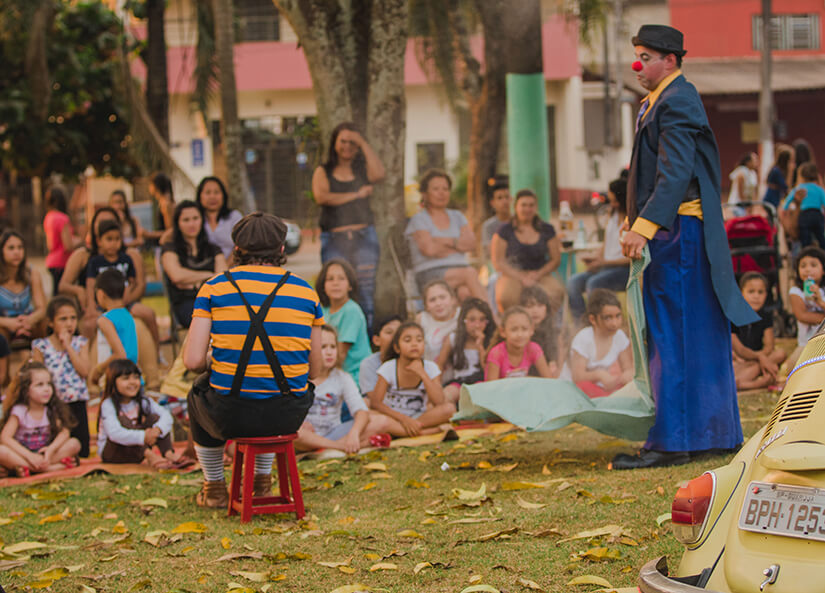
(295, 311)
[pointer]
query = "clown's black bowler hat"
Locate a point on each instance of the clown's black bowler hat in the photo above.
(662, 38)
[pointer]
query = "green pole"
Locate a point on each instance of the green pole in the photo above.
(527, 140)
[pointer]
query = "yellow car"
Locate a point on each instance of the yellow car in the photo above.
(758, 523)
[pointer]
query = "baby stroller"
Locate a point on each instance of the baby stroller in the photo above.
(754, 247)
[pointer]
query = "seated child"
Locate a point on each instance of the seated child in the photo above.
(515, 353)
(755, 358)
(807, 297)
(474, 333)
(337, 289)
(35, 435)
(382, 332)
(547, 333)
(131, 424)
(109, 253)
(439, 317)
(117, 335)
(66, 355)
(601, 359)
(409, 388)
(323, 427)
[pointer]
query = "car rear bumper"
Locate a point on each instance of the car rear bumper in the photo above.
(653, 578)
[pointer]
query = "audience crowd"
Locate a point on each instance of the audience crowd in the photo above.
(374, 378)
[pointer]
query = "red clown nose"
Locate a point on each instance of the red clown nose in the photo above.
(637, 66)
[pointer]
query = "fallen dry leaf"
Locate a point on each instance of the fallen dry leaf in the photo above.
(55, 518)
(503, 534)
(529, 505)
(421, 566)
(505, 468)
(530, 584)
(546, 470)
(662, 519)
(424, 455)
(142, 584)
(238, 555)
(226, 543)
(355, 588)
(154, 502)
(409, 533)
(383, 566)
(471, 520)
(369, 486)
(190, 527)
(480, 589)
(611, 530)
(255, 577)
(336, 564)
(347, 569)
(416, 484)
(599, 554)
(23, 547)
(484, 465)
(470, 495)
(476, 578)
(590, 579)
(375, 467)
(520, 485)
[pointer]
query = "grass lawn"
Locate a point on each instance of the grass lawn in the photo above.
(377, 519)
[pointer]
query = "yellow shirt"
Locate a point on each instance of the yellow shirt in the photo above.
(641, 225)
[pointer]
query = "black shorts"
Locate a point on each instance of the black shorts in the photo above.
(215, 418)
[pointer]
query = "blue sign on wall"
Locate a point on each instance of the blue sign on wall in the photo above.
(197, 152)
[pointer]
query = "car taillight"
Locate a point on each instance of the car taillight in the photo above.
(689, 510)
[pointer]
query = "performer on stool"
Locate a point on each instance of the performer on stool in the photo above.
(689, 289)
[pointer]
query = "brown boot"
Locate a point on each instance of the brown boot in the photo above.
(213, 495)
(262, 485)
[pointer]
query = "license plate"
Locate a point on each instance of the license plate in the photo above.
(778, 509)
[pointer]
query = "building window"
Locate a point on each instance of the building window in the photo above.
(788, 31)
(257, 21)
(429, 156)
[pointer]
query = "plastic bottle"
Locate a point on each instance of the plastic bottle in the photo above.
(808, 288)
(581, 237)
(565, 219)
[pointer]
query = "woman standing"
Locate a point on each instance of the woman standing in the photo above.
(744, 179)
(441, 239)
(189, 260)
(218, 219)
(160, 188)
(22, 300)
(780, 175)
(342, 187)
(60, 240)
(525, 252)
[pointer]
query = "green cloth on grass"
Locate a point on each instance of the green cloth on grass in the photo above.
(549, 404)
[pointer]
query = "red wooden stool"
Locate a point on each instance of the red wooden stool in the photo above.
(243, 467)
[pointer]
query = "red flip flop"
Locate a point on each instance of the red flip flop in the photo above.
(381, 440)
(70, 462)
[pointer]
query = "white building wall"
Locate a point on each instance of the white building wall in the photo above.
(429, 119)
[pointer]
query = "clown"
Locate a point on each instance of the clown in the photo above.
(690, 294)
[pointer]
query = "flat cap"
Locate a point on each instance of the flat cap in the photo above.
(662, 38)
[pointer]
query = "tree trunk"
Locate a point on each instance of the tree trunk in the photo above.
(766, 148)
(37, 68)
(355, 51)
(157, 83)
(386, 130)
(487, 113)
(230, 124)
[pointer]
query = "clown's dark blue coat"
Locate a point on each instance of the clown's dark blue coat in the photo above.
(675, 145)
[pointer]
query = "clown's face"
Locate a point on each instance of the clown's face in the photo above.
(654, 67)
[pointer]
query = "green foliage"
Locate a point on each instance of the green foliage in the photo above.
(86, 123)
(206, 65)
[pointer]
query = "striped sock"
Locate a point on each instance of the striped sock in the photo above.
(263, 463)
(211, 460)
